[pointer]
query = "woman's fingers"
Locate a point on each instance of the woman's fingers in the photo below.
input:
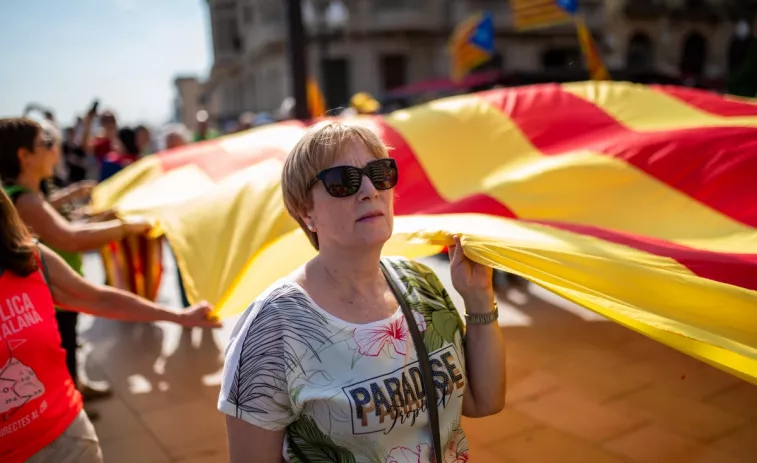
(457, 251)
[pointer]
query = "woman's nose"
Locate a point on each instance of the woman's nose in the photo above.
(367, 190)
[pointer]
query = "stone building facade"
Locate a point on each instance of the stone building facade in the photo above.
(377, 45)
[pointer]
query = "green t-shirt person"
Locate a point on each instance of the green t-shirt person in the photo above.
(73, 259)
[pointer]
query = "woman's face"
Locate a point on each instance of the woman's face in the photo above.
(365, 219)
(43, 158)
(143, 139)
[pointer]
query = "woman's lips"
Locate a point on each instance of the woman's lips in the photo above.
(369, 217)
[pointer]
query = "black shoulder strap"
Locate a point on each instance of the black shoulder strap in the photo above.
(429, 388)
(45, 270)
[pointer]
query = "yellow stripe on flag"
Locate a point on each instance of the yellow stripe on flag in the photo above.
(651, 110)
(560, 188)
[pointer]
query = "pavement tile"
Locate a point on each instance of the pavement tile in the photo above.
(708, 454)
(682, 415)
(140, 447)
(575, 414)
(220, 456)
(652, 444)
(739, 399)
(530, 385)
(507, 423)
(593, 357)
(116, 419)
(546, 445)
(187, 430)
(740, 443)
(599, 384)
(480, 454)
(687, 377)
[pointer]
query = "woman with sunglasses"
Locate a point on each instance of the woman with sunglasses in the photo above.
(28, 156)
(323, 366)
(42, 417)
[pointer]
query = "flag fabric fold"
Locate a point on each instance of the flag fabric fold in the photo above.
(634, 201)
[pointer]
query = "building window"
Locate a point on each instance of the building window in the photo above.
(393, 71)
(561, 58)
(227, 34)
(250, 93)
(247, 14)
(640, 54)
(390, 5)
(694, 55)
(272, 11)
(225, 7)
(336, 82)
(272, 81)
(738, 51)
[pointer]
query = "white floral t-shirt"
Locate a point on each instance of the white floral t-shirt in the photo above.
(346, 392)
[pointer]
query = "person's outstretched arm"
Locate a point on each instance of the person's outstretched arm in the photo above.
(72, 292)
(52, 228)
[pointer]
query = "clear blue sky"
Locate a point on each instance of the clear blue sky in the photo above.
(65, 53)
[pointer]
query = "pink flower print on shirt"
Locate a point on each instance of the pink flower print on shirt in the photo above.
(421, 454)
(452, 454)
(394, 336)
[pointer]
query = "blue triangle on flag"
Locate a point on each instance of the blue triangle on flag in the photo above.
(570, 6)
(483, 35)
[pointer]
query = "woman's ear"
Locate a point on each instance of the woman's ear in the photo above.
(308, 219)
(22, 154)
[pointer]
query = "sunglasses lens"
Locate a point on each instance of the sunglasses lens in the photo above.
(342, 181)
(383, 174)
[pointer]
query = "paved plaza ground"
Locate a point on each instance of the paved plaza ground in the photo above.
(580, 390)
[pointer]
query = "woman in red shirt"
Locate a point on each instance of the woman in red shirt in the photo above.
(41, 416)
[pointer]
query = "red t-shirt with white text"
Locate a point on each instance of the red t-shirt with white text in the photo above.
(38, 399)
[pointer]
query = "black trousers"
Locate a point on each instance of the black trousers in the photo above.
(67, 329)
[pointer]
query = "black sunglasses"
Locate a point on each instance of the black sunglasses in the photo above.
(343, 181)
(48, 143)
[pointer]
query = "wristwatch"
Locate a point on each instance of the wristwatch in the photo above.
(483, 319)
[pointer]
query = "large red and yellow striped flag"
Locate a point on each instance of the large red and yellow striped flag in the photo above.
(637, 202)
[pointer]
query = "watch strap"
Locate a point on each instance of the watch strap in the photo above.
(483, 318)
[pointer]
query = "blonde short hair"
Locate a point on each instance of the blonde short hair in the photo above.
(318, 149)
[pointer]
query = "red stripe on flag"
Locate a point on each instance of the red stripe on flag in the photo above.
(733, 269)
(215, 161)
(415, 194)
(714, 165)
(709, 102)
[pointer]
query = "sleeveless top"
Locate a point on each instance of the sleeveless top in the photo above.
(349, 392)
(38, 399)
(73, 259)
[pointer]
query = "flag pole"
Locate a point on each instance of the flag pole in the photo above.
(297, 59)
